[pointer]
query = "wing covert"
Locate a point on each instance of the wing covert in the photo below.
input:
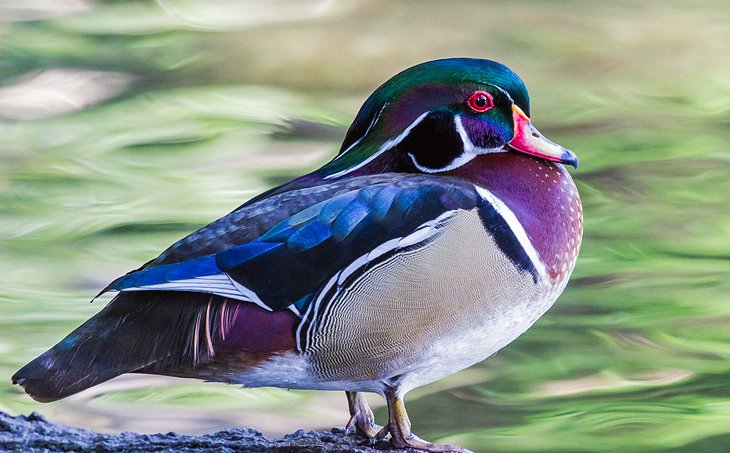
(288, 262)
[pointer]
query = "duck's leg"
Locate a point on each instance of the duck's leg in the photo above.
(399, 427)
(361, 416)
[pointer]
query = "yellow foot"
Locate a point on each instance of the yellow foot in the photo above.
(399, 428)
(415, 442)
(363, 425)
(362, 419)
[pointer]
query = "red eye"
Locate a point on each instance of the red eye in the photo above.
(480, 101)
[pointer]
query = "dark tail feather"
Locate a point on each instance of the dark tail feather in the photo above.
(146, 329)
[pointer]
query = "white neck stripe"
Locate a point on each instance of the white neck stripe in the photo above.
(367, 131)
(383, 148)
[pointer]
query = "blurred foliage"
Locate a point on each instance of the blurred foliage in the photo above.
(125, 125)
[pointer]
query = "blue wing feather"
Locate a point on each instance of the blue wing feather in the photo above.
(310, 235)
(165, 273)
(246, 252)
(291, 258)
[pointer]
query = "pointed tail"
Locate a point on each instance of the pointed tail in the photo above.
(151, 330)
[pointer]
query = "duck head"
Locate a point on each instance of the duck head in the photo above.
(438, 116)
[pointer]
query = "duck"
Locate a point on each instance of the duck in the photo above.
(444, 227)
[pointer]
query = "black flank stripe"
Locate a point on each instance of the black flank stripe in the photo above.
(506, 239)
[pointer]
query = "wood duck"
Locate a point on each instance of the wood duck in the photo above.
(443, 229)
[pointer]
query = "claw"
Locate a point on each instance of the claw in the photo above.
(417, 443)
(383, 433)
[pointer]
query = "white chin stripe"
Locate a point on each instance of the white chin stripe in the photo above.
(456, 163)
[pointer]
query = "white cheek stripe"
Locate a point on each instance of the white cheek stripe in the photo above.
(516, 227)
(470, 151)
(383, 148)
(469, 147)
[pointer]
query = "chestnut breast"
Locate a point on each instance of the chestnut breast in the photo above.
(543, 197)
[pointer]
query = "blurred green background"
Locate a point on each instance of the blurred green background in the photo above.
(126, 125)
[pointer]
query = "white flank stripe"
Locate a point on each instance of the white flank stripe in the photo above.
(301, 324)
(358, 263)
(417, 236)
(315, 307)
(383, 248)
(383, 148)
(516, 227)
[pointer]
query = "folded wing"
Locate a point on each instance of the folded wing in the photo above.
(293, 257)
